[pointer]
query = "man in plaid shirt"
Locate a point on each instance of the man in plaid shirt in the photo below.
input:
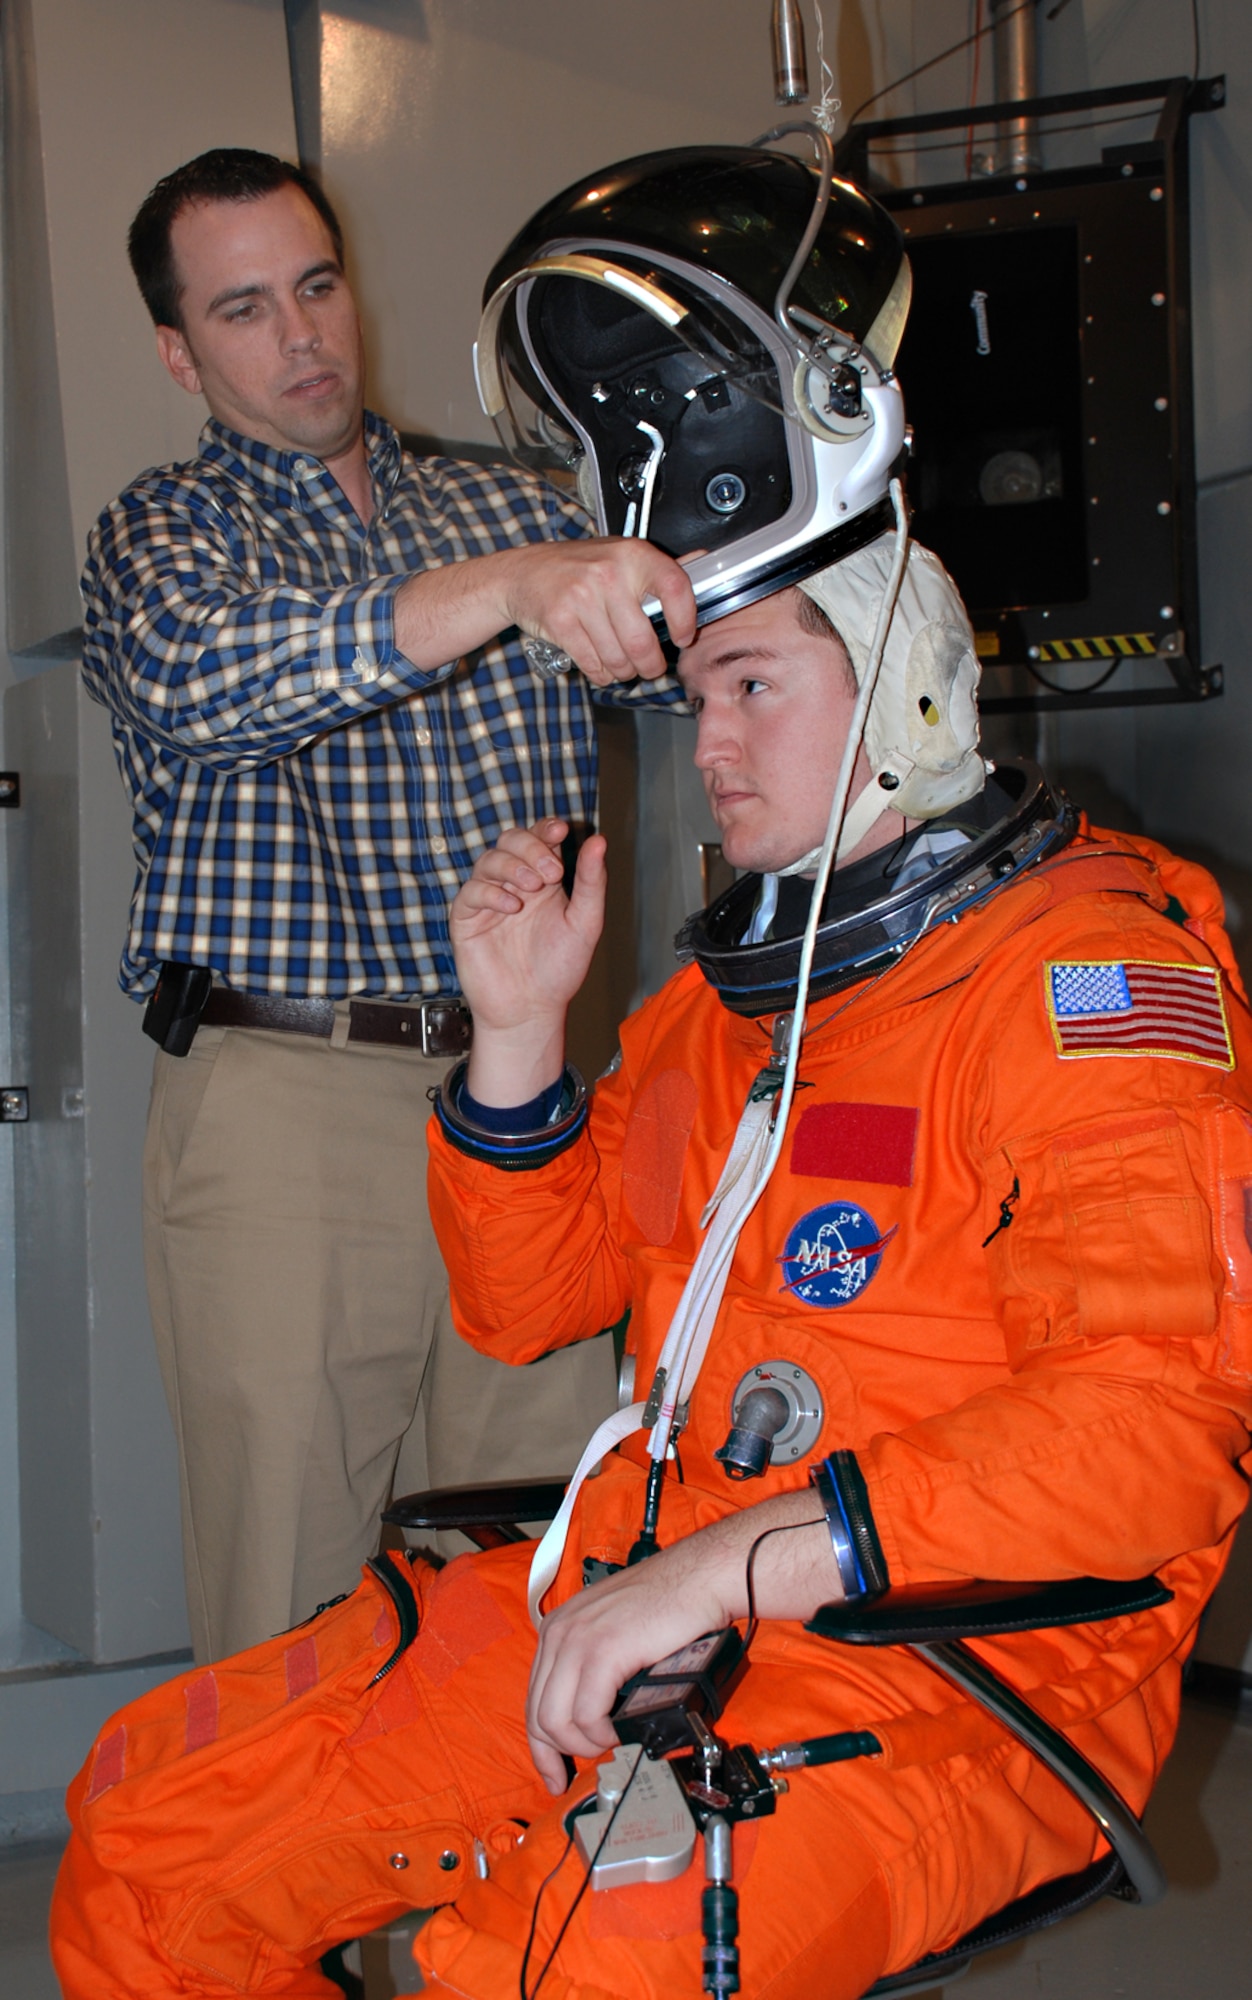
(320, 730)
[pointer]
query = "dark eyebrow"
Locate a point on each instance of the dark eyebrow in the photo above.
(734, 655)
(238, 292)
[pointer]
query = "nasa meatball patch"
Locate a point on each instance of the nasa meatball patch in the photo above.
(832, 1253)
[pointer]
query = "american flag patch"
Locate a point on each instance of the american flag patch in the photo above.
(1138, 1008)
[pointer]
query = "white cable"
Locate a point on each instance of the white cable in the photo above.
(753, 1155)
(828, 106)
(691, 1328)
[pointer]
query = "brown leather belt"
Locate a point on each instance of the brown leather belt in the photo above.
(431, 1027)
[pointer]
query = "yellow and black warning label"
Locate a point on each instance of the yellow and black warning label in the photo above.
(1110, 646)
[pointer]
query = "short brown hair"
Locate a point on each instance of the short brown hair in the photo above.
(228, 173)
(812, 619)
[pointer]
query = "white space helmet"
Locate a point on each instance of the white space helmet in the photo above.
(921, 735)
(645, 345)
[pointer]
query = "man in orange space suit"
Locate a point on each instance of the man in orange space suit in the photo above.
(1005, 1244)
(925, 1184)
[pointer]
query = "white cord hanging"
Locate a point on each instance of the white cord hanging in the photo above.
(828, 106)
(753, 1155)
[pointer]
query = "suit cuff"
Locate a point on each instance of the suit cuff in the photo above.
(526, 1146)
(857, 1549)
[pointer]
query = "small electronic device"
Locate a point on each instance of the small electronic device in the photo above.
(655, 1706)
(653, 1835)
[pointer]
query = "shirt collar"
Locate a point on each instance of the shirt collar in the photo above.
(275, 475)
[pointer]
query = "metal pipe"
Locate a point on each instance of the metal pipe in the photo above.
(953, 1659)
(1015, 40)
(791, 76)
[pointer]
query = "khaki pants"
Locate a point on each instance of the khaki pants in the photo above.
(302, 1324)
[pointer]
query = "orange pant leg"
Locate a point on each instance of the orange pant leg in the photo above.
(234, 1823)
(237, 1822)
(861, 1869)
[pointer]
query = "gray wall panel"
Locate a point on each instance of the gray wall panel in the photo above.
(101, 1564)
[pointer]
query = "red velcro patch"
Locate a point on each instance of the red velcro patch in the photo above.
(109, 1766)
(202, 1712)
(655, 1153)
(856, 1142)
(301, 1663)
(463, 1619)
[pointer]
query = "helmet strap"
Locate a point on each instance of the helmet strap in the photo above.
(866, 809)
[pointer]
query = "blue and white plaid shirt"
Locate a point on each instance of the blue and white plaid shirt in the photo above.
(306, 801)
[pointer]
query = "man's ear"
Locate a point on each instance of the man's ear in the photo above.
(178, 358)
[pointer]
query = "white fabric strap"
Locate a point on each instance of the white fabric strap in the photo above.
(866, 809)
(546, 1560)
(686, 1343)
(738, 1191)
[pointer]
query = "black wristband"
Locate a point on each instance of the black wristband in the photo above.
(514, 1152)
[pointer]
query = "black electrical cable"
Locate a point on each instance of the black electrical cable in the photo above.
(967, 41)
(1088, 687)
(784, 1528)
(889, 149)
(534, 1915)
(583, 1886)
(955, 49)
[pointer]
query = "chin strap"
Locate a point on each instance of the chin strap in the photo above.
(870, 803)
(753, 1155)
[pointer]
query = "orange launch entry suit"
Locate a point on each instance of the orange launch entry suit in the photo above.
(1042, 1359)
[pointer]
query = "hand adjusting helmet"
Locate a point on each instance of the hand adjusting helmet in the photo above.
(659, 341)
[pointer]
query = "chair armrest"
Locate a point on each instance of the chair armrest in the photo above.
(935, 1620)
(491, 1506)
(927, 1612)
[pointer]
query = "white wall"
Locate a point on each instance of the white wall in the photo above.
(102, 97)
(445, 124)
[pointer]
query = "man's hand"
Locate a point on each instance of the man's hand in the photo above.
(585, 597)
(592, 1643)
(522, 951)
(595, 1641)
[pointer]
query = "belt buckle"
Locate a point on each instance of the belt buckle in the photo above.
(435, 1013)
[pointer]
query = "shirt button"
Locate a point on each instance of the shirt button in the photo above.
(423, 737)
(438, 846)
